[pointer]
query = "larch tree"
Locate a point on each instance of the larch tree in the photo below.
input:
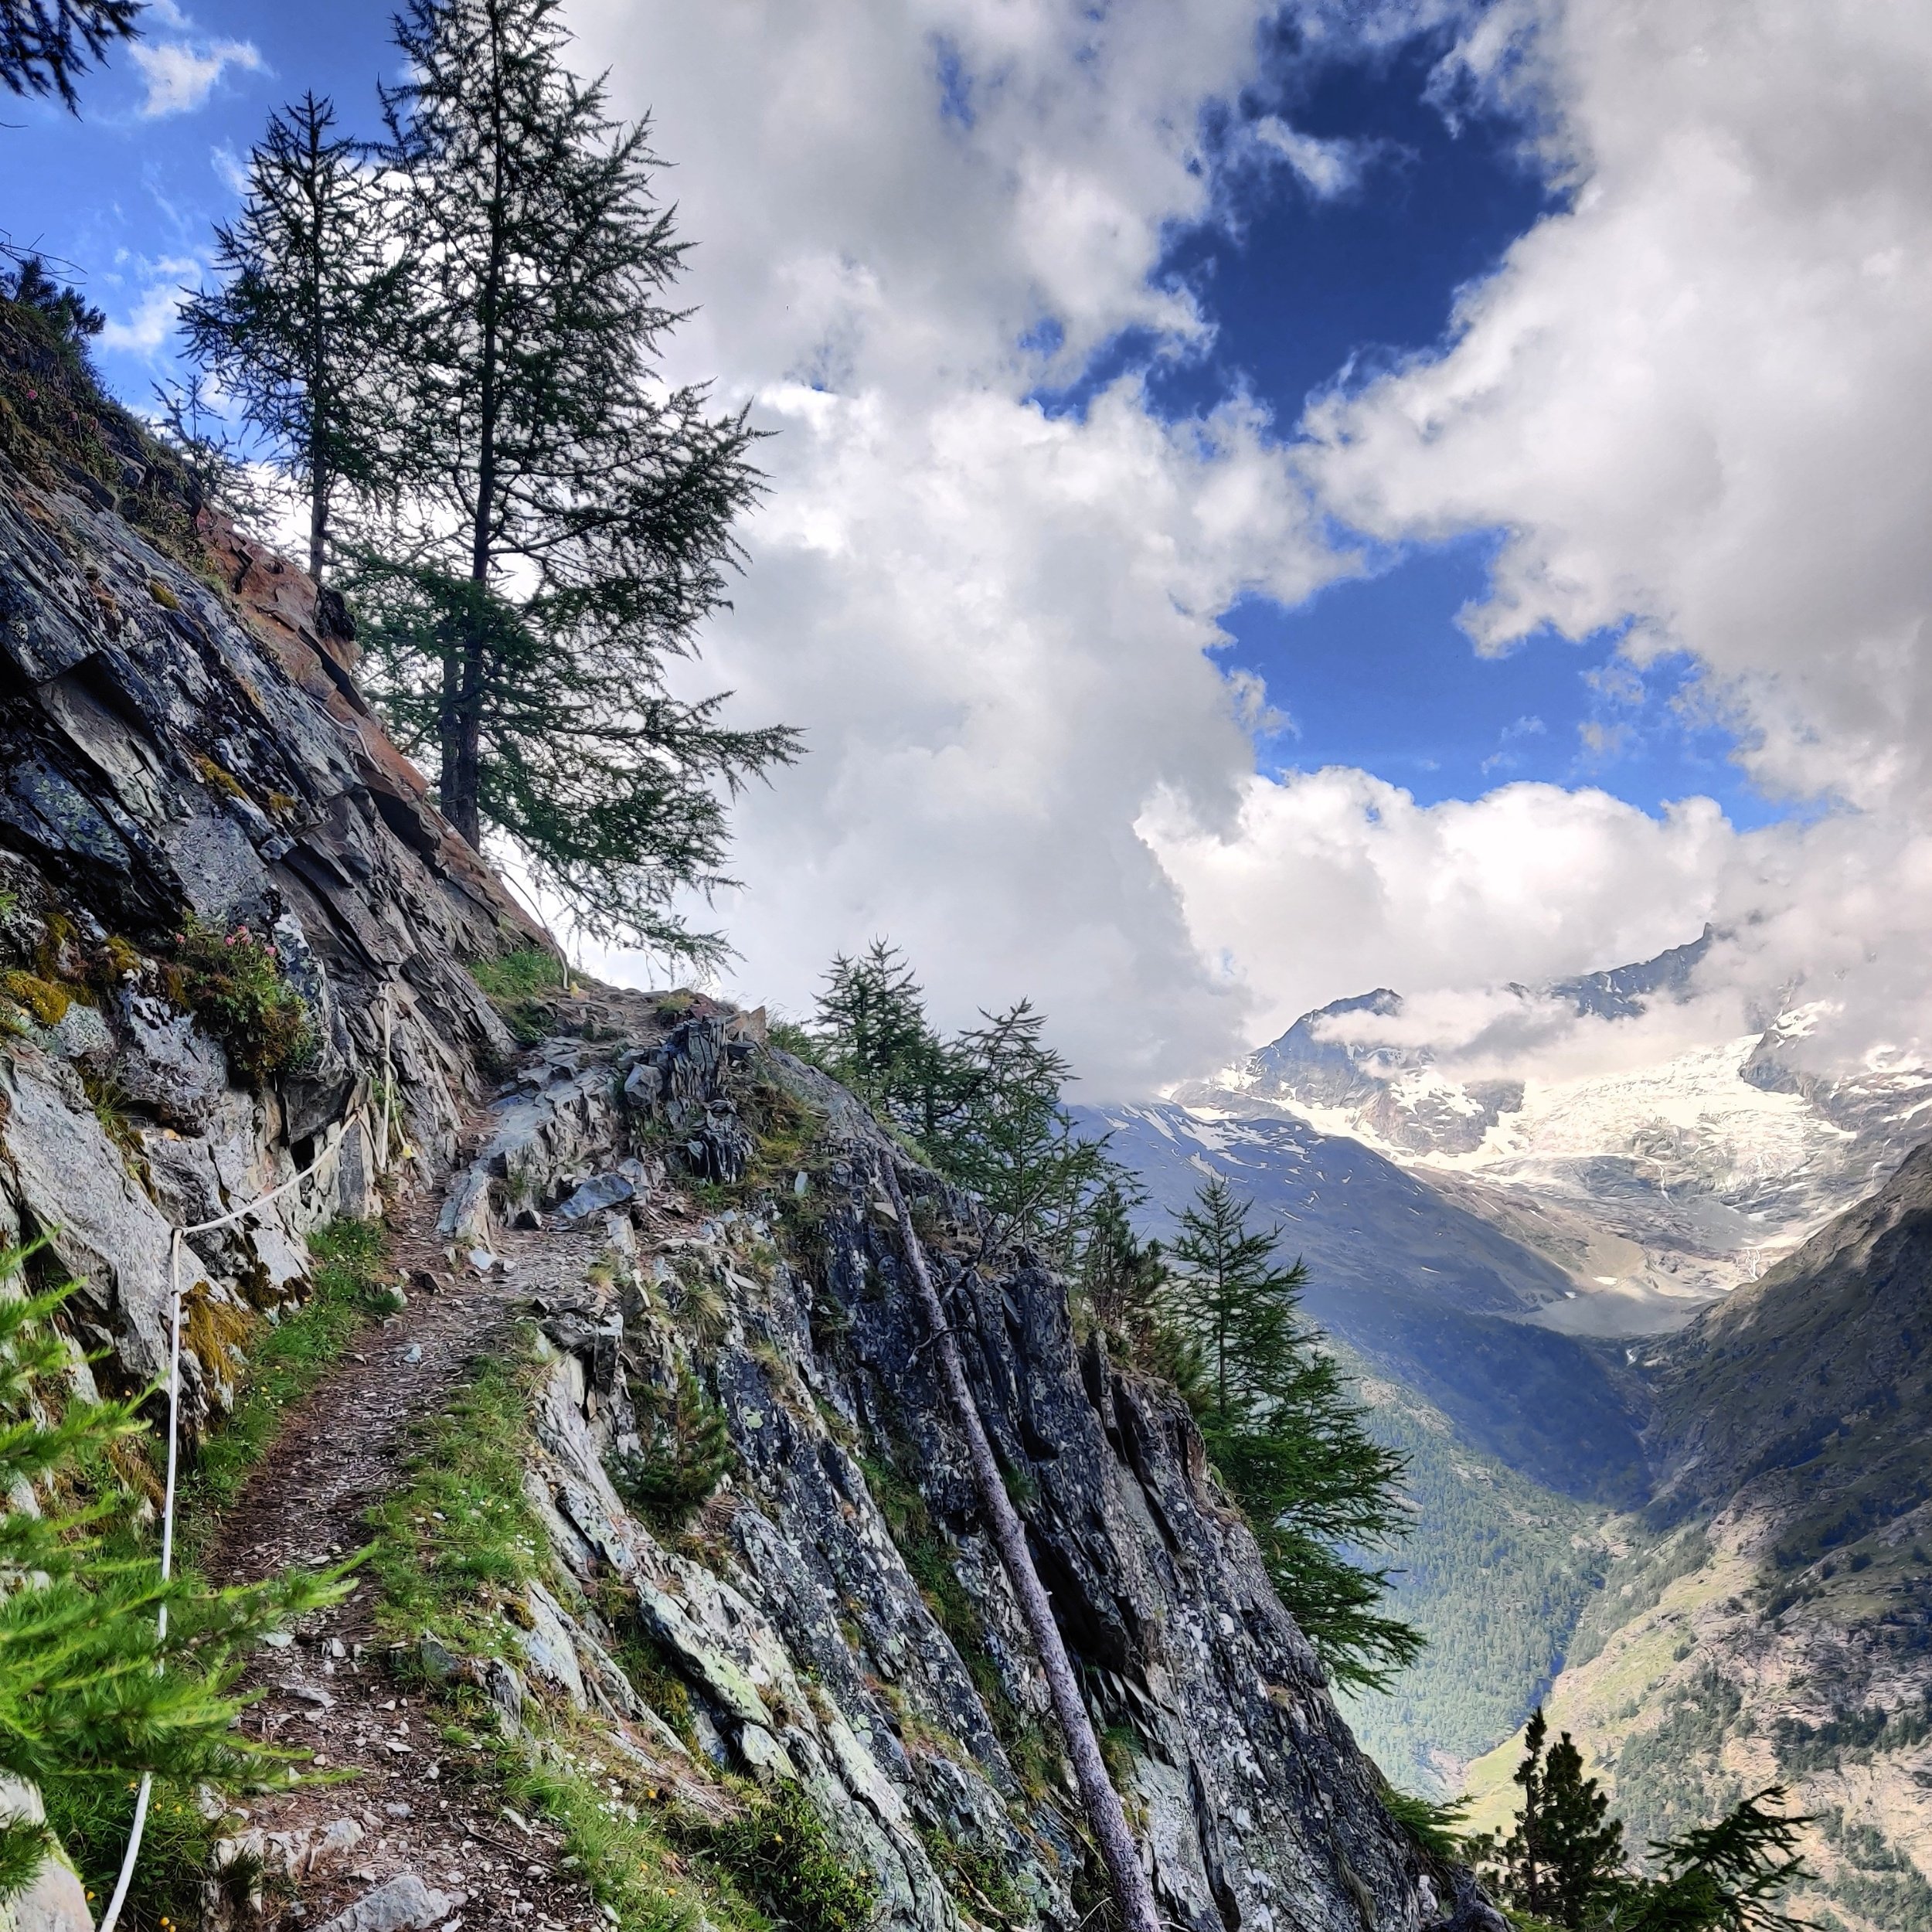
(1282, 1432)
(303, 332)
(569, 517)
(873, 1035)
(46, 45)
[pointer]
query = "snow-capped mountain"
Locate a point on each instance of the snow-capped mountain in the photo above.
(1656, 1188)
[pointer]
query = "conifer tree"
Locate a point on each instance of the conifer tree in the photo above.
(1012, 1142)
(91, 1694)
(46, 45)
(1564, 1851)
(73, 317)
(1563, 1863)
(1282, 1432)
(1125, 1284)
(303, 329)
(569, 518)
(873, 1035)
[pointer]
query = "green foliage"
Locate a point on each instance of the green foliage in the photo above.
(1014, 1144)
(1717, 1877)
(1436, 1827)
(44, 47)
(873, 1036)
(626, 1858)
(563, 522)
(1562, 1864)
(985, 1108)
(1672, 1772)
(233, 984)
(346, 1290)
(517, 985)
(1123, 1285)
(687, 1452)
(176, 1863)
(66, 309)
(1564, 1851)
(1286, 1439)
(301, 334)
(457, 1539)
(780, 1853)
(92, 1695)
(525, 974)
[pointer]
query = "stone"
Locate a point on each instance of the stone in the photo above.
(404, 1904)
(602, 1191)
(56, 1901)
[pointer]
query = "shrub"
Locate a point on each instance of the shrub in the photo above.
(233, 983)
(687, 1454)
(782, 1856)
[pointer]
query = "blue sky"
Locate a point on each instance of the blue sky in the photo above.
(1304, 290)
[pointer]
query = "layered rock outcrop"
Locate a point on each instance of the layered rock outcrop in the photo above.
(185, 746)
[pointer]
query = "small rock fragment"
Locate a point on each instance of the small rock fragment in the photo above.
(404, 1904)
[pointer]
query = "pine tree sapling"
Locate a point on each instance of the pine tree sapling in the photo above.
(31, 285)
(1124, 1283)
(46, 45)
(873, 1036)
(304, 330)
(1281, 1431)
(1562, 1862)
(567, 525)
(91, 1694)
(1012, 1142)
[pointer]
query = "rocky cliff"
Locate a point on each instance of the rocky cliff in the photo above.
(184, 751)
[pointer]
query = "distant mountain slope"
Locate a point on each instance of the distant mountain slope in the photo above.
(1431, 1294)
(1694, 1172)
(1495, 1572)
(1771, 1618)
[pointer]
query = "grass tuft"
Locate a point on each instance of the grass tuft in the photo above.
(288, 1361)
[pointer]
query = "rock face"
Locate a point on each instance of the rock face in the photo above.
(175, 749)
(851, 1626)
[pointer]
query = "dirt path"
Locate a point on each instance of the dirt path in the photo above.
(328, 1689)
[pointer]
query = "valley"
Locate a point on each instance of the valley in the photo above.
(1658, 1344)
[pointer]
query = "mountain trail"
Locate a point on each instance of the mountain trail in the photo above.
(385, 1833)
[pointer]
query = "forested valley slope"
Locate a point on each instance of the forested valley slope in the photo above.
(1654, 1344)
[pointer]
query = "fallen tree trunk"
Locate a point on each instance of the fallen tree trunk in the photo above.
(1102, 1803)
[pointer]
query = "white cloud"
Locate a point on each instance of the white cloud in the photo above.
(993, 623)
(1329, 169)
(1691, 398)
(181, 74)
(1694, 396)
(152, 319)
(229, 168)
(1334, 878)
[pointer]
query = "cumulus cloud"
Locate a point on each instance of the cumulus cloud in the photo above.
(151, 320)
(995, 623)
(181, 74)
(1690, 398)
(1335, 878)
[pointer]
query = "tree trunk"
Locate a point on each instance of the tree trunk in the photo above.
(1104, 1813)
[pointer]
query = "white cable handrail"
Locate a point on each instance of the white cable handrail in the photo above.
(177, 1237)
